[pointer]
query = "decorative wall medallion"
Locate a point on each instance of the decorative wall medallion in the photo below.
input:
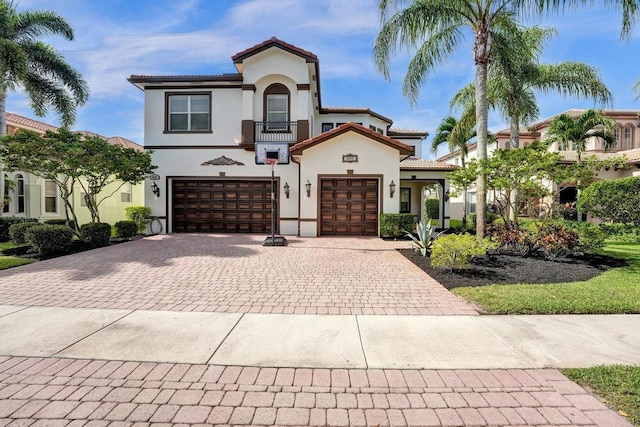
(222, 161)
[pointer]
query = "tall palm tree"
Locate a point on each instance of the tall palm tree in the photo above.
(435, 29)
(457, 134)
(575, 132)
(514, 78)
(36, 67)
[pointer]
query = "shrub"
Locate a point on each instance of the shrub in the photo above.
(8, 221)
(490, 217)
(456, 250)
(591, 237)
(613, 199)
(140, 215)
(61, 221)
(50, 239)
(555, 240)
(621, 232)
(424, 240)
(394, 225)
(126, 229)
(511, 240)
(96, 234)
(17, 231)
(432, 208)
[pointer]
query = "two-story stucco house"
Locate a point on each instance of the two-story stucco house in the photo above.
(627, 135)
(339, 167)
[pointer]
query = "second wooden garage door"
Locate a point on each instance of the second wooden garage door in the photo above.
(221, 206)
(349, 207)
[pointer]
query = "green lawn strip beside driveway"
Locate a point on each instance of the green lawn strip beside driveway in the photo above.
(11, 261)
(617, 385)
(616, 291)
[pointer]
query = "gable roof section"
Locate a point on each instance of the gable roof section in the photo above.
(414, 163)
(274, 42)
(352, 127)
(354, 110)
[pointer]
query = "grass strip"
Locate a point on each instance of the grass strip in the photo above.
(618, 385)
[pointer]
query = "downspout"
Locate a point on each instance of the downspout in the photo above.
(299, 192)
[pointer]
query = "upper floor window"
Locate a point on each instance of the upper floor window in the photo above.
(276, 107)
(188, 112)
(50, 196)
(618, 144)
(628, 138)
(20, 195)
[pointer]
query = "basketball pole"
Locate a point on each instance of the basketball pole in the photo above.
(273, 240)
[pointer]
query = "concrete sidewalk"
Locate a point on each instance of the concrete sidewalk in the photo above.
(321, 341)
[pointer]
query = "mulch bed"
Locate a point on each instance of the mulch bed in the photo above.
(503, 269)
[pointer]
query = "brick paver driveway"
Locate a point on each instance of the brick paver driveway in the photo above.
(235, 273)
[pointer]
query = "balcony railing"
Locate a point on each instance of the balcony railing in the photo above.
(290, 132)
(276, 131)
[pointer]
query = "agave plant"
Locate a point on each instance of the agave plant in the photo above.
(425, 236)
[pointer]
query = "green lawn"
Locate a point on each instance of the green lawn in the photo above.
(12, 261)
(618, 385)
(6, 245)
(614, 291)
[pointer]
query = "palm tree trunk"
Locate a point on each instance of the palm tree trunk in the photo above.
(514, 142)
(3, 132)
(482, 48)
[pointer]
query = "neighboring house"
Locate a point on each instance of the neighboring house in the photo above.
(210, 134)
(627, 133)
(35, 197)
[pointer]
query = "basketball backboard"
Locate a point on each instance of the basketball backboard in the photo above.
(272, 150)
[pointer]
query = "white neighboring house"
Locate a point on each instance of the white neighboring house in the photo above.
(209, 134)
(627, 133)
(35, 197)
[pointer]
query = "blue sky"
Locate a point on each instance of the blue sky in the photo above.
(117, 38)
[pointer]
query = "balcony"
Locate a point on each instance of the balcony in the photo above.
(291, 132)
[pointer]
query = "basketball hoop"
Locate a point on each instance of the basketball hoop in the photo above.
(270, 162)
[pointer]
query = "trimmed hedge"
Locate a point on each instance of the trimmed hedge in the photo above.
(61, 221)
(8, 221)
(126, 229)
(17, 232)
(50, 239)
(96, 234)
(432, 208)
(395, 225)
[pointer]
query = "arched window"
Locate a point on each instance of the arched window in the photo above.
(618, 143)
(628, 137)
(276, 107)
(20, 194)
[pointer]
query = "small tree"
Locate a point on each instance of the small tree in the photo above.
(613, 199)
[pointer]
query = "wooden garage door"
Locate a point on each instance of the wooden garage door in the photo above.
(221, 206)
(349, 207)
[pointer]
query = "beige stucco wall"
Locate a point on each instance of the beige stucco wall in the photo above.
(324, 160)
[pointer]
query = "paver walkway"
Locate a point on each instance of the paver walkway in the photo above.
(84, 392)
(235, 274)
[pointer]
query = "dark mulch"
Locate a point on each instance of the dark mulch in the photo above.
(508, 269)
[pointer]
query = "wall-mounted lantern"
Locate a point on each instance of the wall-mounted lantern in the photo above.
(155, 189)
(286, 189)
(392, 189)
(307, 185)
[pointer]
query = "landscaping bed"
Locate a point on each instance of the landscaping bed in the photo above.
(499, 269)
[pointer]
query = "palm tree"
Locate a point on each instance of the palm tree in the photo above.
(457, 134)
(574, 132)
(514, 77)
(36, 67)
(435, 29)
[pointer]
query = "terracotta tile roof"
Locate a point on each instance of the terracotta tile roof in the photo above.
(407, 132)
(413, 163)
(633, 156)
(186, 78)
(124, 142)
(27, 123)
(354, 110)
(273, 41)
(347, 127)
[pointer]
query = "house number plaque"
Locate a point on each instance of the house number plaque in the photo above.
(349, 158)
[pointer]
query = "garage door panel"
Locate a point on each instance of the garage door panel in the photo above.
(223, 206)
(349, 206)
